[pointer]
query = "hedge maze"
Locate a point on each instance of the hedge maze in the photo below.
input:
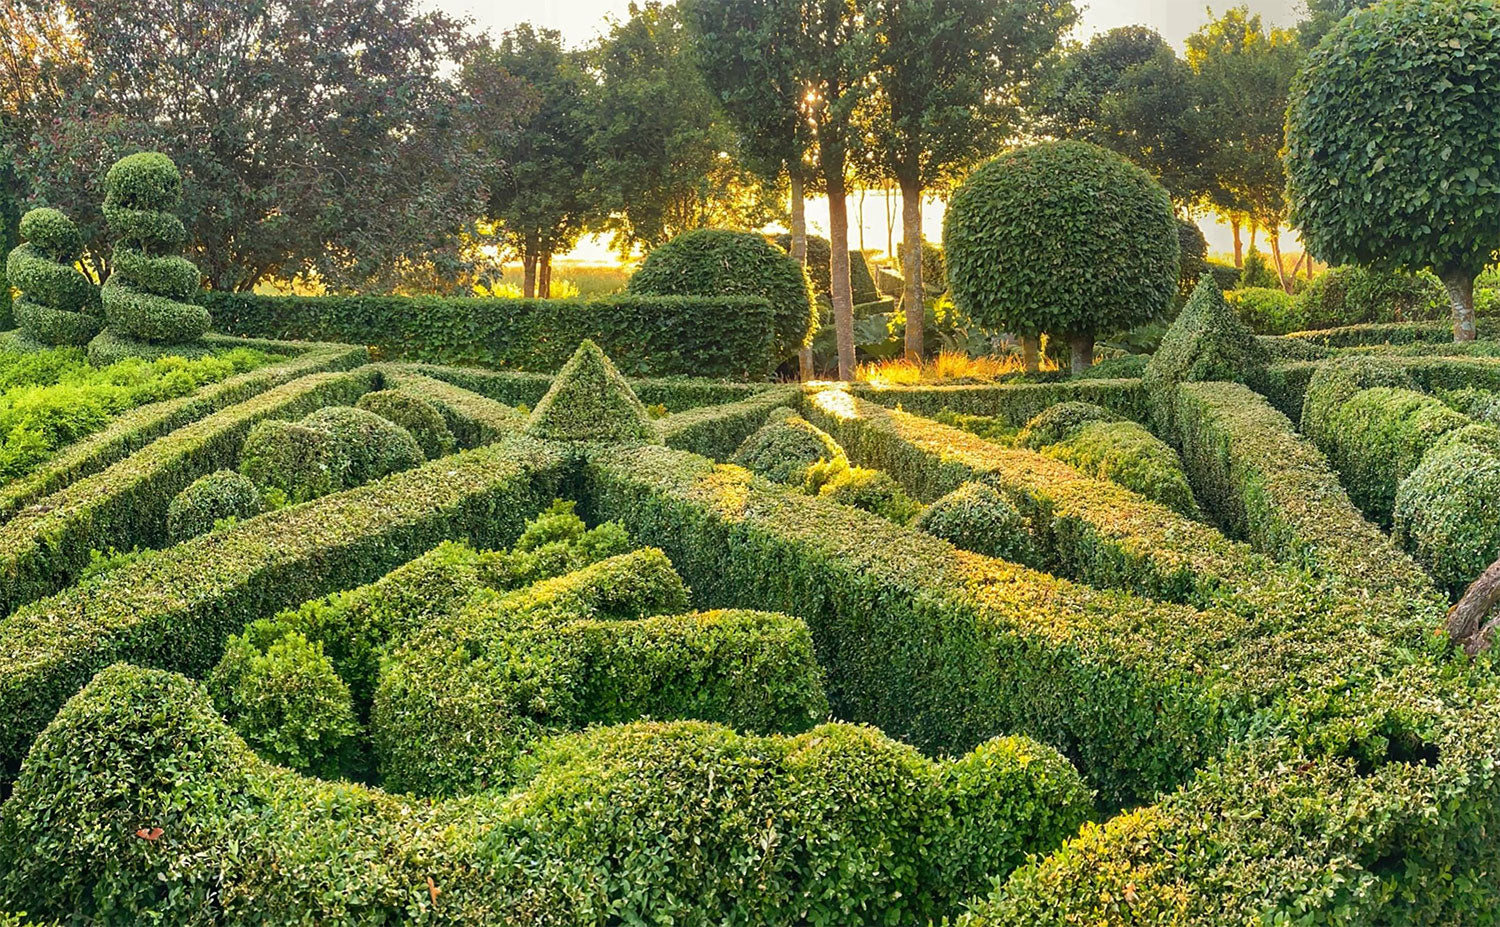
(334, 641)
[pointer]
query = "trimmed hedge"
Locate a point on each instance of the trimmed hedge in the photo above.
(720, 336)
(1127, 454)
(1056, 423)
(1334, 383)
(717, 431)
(175, 608)
(787, 448)
(685, 823)
(420, 418)
(1015, 403)
(1206, 342)
(513, 387)
(472, 420)
(1447, 512)
(976, 517)
(1394, 333)
(208, 500)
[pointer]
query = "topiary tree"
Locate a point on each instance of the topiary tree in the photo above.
(1391, 141)
(145, 298)
(58, 304)
(719, 262)
(1207, 342)
(1065, 238)
(590, 400)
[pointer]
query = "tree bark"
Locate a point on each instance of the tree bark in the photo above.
(1460, 287)
(799, 254)
(842, 288)
(544, 277)
(1031, 353)
(911, 232)
(1081, 345)
(1275, 235)
(1466, 620)
(528, 273)
(1239, 247)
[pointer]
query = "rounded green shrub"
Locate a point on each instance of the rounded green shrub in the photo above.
(281, 693)
(290, 457)
(221, 494)
(1446, 514)
(1266, 310)
(719, 262)
(362, 445)
(1355, 295)
(1479, 404)
(1206, 342)
(786, 447)
(976, 517)
(1192, 260)
(58, 305)
(1336, 381)
(1059, 420)
(1378, 437)
(418, 416)
(146, 296)
(1127, 454)
(873, 491)
(1064, 238)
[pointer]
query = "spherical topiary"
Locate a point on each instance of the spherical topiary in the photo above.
(282, 694)
(717, 262)
(416, 415)
(289, 457)
(145, 298)
(873, 491)
(222, 494)
(364, 446)
(1062, 237)
(976, 517)
(1336, 381)
(58, 304)
(1446, 516)
(1057, 421)
(786, 446)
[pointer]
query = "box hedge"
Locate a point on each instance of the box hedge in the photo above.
(1015, 403)
(472, 420)
(717, 431)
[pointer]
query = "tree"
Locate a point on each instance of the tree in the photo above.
(317, 136)
(536, 169)
(1061, 237)
(1393, 148)
(948, 75)
(1323, 15)
(1244, 74)
(667, 157)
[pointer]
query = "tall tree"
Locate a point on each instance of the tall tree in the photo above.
(667, 156)
(948, 77)
(1321, 16)
(315, 136)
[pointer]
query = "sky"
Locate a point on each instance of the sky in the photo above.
(582, 21)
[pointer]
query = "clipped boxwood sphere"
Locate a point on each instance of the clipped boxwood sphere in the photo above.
(52, 234)
(1446, 516)
(58, 305)
(364, 446)
(718, 262)
(1336, 381)
(1056, 422)
(416, 415)
(786, 447)
(976, 517)
(147, 180)
(289, 457)
(222, 494)
(1062, 237)
(873, 491)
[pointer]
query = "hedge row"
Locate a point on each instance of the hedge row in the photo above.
(646, 336)
(1350, 336)
(473, 419)
(717, 431)
(1288, 382)
(684, 823)
(46, 545)
(1014, 403)
(174, 608)
(1087, 529)
(512, 387)
(132, 430)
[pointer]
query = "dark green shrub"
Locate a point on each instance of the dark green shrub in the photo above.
(1335, 382)
(1124, 367)
(146, 296)
(418, 416)
(718, 262)
(1127, 454)
(1065, 238)
(58, 305)
(786, 447)
(1267, 310)
(363, 446)
(290, 457)
(1192, 260)
(1257, 274)
(716, 431)
(873, 491)
(1378, 437)
(819, 256)
(1055, 423)
(1227, 276)
(1355, 295)
(934, 268)
(1446, 513)
(1206, 342)
(590, 401)
(1479, 404)
(281, 694)
(976, 517)
(208, 500)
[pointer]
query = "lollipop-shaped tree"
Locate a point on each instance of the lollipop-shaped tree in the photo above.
(58, 304)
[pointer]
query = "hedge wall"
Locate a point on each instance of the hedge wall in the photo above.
(646, 336)
(473, 419)
(1015, 403)
(1393, 333)
(512, 387)
(717, 431)
(174, 608)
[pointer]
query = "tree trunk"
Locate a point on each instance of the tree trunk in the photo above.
(1082, 348)
(842, 288)
(1239, 247)
(1275, 235)
(890, 222)
(911, 239)
(528, 272)
(1466, 620)
(799, 254)
(859, 216)
(1031, 353)
(1460, 286)
(1253, 229)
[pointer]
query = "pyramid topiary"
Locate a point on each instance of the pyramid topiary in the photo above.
(1207, 342)
(591, 401)
(146, 297)
(58, 304)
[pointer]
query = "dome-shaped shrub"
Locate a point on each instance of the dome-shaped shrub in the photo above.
(1378, 437)
(1446, 514)
(1062, 237)
(1127, 454)
(290, 457)
(976, 517)
(1336, 381)
(1354, 295)
(1056, 422)
(416, 415)
(718, 262)
(222, 494)
(786, 446)
(58, 304)
(364, 446)
(873, 491)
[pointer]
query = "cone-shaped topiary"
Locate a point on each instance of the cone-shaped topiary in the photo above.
(1207, 342)
(591, 401)
(145, 298)
(58, 304)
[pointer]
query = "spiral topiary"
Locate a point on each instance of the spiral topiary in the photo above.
(145, 298)
(58, 304)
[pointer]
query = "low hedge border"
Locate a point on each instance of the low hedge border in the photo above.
(174, 608)
(513, 387)
(1288, 382)
(721, 336)
(46, 545)
(1393, 333)
(475, 420)
(132, 430)
(1016, 404)
(717, 431)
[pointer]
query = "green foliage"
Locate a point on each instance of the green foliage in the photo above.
(58, 305)
(1127, 454)
(330, 449)
(786, 448)
(1257, 273)
(1057, 422)
(223, 494)
(873, 491)
(1354, 295)
(590, 401)
(282, 695)
(1192, 260)
(1061, 237)
(716, 431)
(419, 417)
(1267, 310)
(1479, 404)
(717, 262)
(646, 336)
(1335, 382)
(976, 517)
(819, 254)
(1445, 513)
(1206, 342)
